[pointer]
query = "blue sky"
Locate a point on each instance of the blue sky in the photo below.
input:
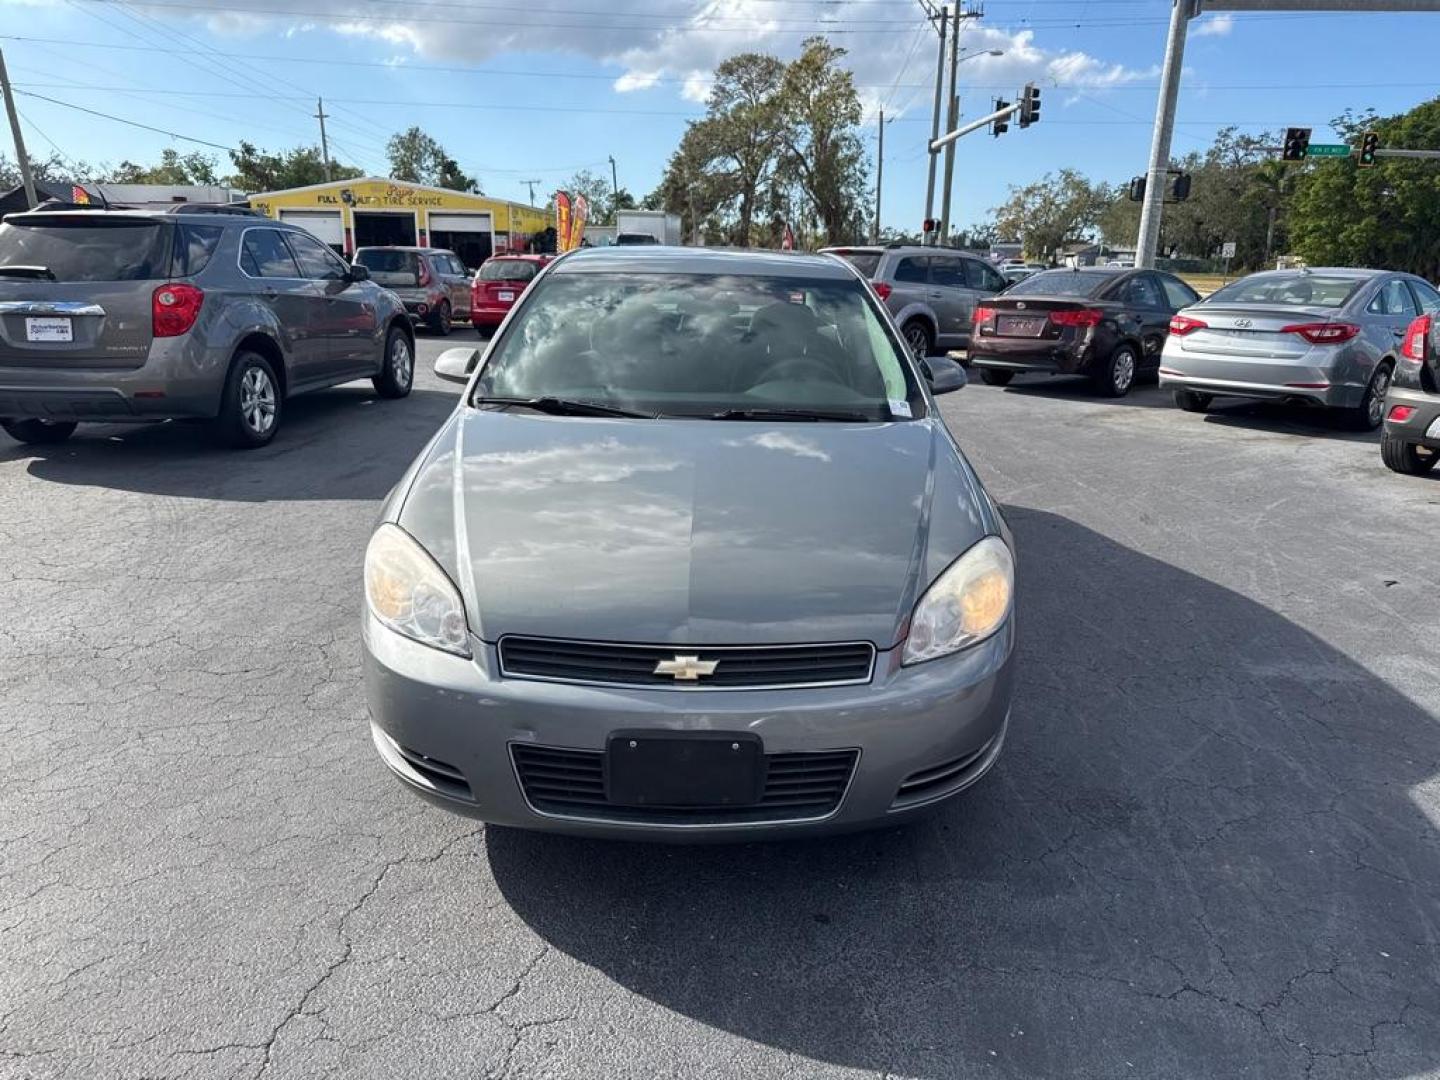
(533, 90)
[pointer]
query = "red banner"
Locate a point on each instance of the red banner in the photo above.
(562, 220)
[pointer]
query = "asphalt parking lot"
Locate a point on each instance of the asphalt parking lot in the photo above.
(1212, 847)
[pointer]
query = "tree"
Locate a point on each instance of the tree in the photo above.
(419, 158)
(821, 111)
(174, 168)
(258, 170)
(1051, 212)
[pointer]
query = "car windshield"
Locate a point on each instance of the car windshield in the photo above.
(1061, 283)
(389, 267)
(508, 270)
(704, 345)
(1297, 290)
(87, 249)
(864, 261)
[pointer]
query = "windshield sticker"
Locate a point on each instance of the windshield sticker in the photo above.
(899, 408)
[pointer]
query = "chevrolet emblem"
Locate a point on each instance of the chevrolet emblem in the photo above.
(686, 668)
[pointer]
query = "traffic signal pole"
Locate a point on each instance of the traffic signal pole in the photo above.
(940, 18)
(1182, 11)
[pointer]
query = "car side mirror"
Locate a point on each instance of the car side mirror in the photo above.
(944, 375)
(455, 365)
(358, 273)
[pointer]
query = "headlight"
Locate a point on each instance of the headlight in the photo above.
(411, 595)
(965, 604)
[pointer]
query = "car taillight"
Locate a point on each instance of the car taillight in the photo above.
(983, 314)
(1180, 325)
(174, 309)
(882, 289)
(1323, 333)
(1415, 336)
(1083, 317)
(422, 276)
(1401, 413)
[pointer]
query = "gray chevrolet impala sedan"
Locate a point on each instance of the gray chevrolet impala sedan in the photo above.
(695, 556)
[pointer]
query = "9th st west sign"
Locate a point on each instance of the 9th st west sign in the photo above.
(1327, 150)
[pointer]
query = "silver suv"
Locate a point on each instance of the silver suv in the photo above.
(120, 316)
(932, 292)
(432, 283)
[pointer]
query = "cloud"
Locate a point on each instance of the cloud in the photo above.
(1216, 26)
(636, 80)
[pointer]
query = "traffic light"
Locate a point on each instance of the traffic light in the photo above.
(1001, 124)
(1297, 141)
(1368, 145)
(929, 225)
(1029, 105)
(1181, 190)
(1136, 192)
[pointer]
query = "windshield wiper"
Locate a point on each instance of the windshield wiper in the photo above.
(557, 406)
(838, 416)
(39, 273)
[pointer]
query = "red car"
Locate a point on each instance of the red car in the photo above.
(501, 280)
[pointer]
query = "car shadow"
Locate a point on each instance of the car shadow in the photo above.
(342, 443)
(1287, 419)
(1144, 395)
(1202, 853)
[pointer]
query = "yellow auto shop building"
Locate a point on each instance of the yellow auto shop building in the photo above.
(350, 214)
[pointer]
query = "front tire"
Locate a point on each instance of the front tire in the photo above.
(1116, 375)
(1192, 400)
(1370, 413)
(251, 405)
(995, 377)
(440, 319)
(397, 368)
(1405, 457)
(39, 432)
(919, 338)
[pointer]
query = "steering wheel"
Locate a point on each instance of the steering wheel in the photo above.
(799, 368)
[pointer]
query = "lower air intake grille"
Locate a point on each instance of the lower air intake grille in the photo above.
(634, 665)
(939, 779)
(571, 783)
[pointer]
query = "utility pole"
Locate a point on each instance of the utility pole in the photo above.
(614, 194)
(26, 177)
(879, 179)
(324, 142)
(939, 17)
(531, 185)
(954, 119)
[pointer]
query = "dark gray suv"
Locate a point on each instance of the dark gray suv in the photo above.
(931, 291)
(120, 316)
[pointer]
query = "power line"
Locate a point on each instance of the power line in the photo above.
(122, 120)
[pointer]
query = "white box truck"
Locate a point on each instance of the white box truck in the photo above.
(647, 227)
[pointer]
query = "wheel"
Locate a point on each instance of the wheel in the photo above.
(397, 371)
(1370, 413)
(1408, 458)
(1193, 400)
(1116, 375)
(250, 405)
(918, 337)
(995, 377)
(38, 432)
(440, 320)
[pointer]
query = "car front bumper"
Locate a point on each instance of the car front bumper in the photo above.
(457, 714)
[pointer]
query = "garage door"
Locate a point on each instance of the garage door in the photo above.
(468, 235)
(325, 225)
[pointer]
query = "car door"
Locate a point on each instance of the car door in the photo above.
(950, 297)
(349, 320)
(296, 302)
(460, 294)
(1149, 310)
(1392, 308)
(910, 286)
(1178, 295)
(984, 282)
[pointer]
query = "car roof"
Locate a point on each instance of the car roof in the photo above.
(658, 258)
(39, 217)
(401, 247)
(1360, 273)
(528, 256)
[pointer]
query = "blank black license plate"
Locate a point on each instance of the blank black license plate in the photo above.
(1019, 326)
(703, 768)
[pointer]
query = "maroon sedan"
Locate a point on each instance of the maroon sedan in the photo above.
(501, 280)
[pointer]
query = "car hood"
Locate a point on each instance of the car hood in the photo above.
(691, 531)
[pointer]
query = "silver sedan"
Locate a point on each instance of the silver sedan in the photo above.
(1326, 337)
